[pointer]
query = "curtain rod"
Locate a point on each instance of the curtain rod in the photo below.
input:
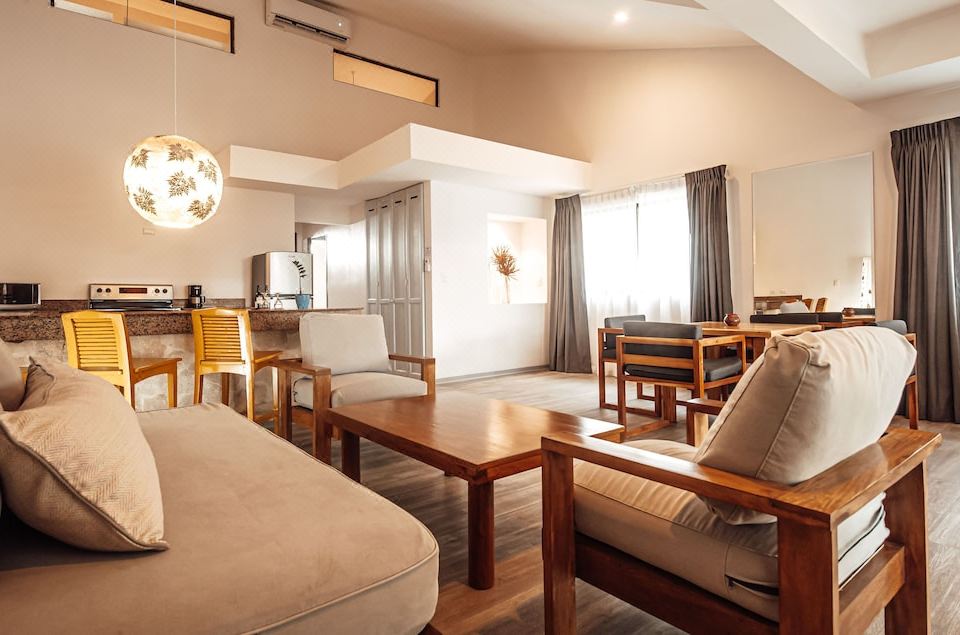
(662, 179)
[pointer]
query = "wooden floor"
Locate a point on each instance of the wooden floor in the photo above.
(514, 605)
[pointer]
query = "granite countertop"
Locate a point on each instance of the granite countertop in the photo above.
(44, 324)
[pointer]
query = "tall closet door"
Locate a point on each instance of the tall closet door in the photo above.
(395, 270)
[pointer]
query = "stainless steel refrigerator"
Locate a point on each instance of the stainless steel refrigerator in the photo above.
(288, 273)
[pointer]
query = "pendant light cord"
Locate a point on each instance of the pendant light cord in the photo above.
(175, 67)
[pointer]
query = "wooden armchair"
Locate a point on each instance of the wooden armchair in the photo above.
(672, 356)
(811, 597)
(797, 514)
(344, 361)
(607, 354)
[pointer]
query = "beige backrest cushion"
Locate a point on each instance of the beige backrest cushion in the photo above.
(809, 402)
(75, 465)
(344, 343)
(11, 382)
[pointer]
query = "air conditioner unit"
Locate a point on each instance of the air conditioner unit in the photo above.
(307, 19)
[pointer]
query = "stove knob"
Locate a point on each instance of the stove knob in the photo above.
(99, 290)
(165, 290)
(156, 290)
(108, 289)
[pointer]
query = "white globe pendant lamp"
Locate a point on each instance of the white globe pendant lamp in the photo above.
(170, 180)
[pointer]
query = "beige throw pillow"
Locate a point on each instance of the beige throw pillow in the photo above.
(809, 402)
(75, 465)
(11, 382)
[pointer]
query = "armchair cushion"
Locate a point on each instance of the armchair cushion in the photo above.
(713, 370)
(673, 530)
(11, 381)
(806, 404)
(344, 343)
(665, 330)
(360, 388)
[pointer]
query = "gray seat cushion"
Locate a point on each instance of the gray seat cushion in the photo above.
(674, 530)
(360, 388)
(262, 538)
(898, 326)
(713, 370)
(609, 353)
(664, 330)
(785, 318)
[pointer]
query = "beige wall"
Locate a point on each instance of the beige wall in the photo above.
(78, 93)
(648, 114)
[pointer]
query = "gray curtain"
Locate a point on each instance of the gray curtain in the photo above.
(569, 336)
(710, 294)
(926, 162)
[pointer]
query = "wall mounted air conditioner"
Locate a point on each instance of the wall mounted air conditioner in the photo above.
(305, 19)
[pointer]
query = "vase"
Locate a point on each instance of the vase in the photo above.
(303, 301)
(731, 319)
(506, 289)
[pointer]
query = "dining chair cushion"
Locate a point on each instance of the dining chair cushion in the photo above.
(667, 330)
(75, 464)
(674, 530)
(11, 381)
(344, 343)
(785, 318)
(360, 388)
(897, 326)
(713, 370)
(808, 403)
(616, 322)
(609, 353)
(829, 316)
(796, 306)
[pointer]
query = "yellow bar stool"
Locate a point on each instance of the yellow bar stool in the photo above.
(223, 344)
(98, 343)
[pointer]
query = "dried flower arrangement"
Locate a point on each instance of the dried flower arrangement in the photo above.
(506, 264)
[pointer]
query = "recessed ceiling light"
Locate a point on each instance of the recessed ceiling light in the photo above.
(620, 17)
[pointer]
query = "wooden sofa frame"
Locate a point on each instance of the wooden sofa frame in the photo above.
(811, 598)
(316, 419)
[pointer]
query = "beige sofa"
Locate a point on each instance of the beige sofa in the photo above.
(263, 538)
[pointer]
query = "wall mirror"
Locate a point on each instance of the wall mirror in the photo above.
(813, 235)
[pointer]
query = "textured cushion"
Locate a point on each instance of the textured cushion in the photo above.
(616, 322)
(713, 369)
(263, 539)
(794, 307)
(807, 403)
(360, 388)
(344, 343)
(75, 465)
(11, 382)
(673, 530)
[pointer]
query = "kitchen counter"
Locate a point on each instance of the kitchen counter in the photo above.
(22, 326)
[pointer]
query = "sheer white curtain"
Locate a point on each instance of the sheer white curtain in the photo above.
(636, 250)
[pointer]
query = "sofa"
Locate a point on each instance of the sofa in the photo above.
(261, 537)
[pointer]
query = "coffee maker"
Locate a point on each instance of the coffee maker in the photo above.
(195, 298)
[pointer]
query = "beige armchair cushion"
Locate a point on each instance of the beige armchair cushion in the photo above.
(344, 343)
(360, 388)
(809, 402)
(673, 530)
(11, 382)
(75, 465)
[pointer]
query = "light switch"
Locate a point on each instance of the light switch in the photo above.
(149, 231)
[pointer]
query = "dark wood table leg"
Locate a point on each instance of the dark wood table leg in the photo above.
(480, 535)
(757, 344)
(350, 454)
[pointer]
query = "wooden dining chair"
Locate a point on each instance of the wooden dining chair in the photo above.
(821, 305)
(98, 342)
(607, 354)
(808, 302)
(223, 344)
(672, 356)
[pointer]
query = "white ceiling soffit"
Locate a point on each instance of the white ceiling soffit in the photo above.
(509, 26)
(860, 49)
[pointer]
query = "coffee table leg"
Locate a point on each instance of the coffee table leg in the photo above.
(350, 454)
(480, 534)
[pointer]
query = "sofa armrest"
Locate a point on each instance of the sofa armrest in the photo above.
(703, 405)
(428, 369)
(296, 365)
(825, 499)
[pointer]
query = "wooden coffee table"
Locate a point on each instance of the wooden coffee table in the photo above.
(477, 439)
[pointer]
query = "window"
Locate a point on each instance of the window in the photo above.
(636, 252)
(359, 71)
(194, 24)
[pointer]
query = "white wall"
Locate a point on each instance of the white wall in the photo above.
(643, 115)
(78, 93)
(471, 335)
(813, 227)
(346, 265)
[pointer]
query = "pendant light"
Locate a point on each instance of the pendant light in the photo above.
(170, 180)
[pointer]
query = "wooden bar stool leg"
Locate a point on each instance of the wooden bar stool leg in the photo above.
(251, 411)
(172, 388)
(197, 387)
(225, 388)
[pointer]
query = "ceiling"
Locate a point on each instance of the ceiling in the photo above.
(508, 26)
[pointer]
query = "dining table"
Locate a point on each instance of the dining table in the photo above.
(756, 335)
